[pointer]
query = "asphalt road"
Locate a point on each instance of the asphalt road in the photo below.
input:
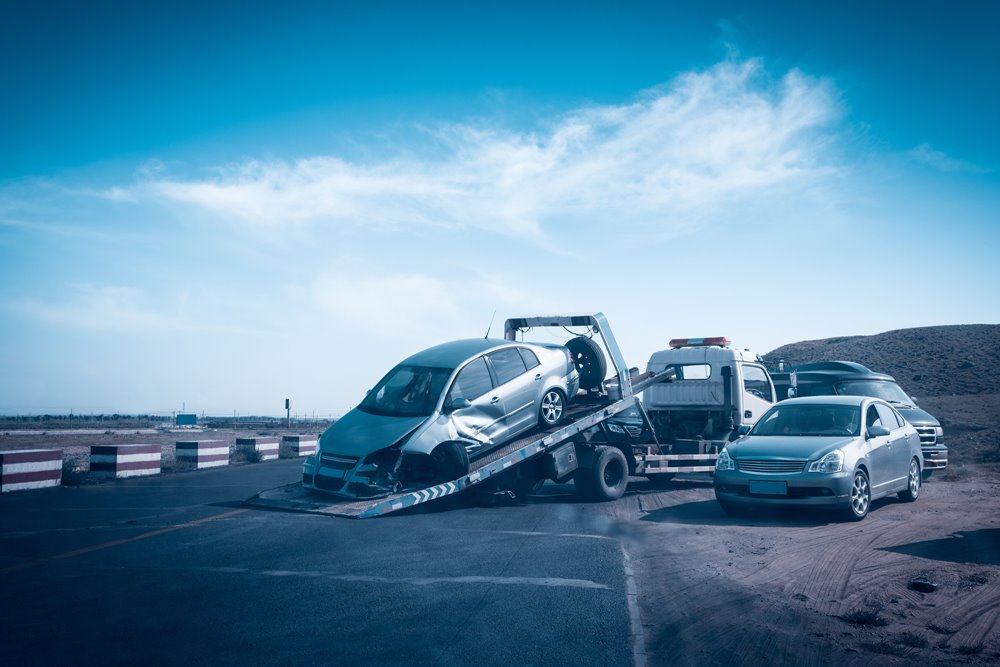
(176, 570)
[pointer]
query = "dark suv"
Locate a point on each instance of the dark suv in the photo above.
(832, 378)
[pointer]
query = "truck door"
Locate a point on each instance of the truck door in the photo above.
(482, 422)
(757, 393)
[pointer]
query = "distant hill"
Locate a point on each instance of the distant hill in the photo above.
(954, 372)
(926, 361)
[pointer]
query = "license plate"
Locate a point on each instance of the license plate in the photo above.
(331, 473)
(769, 488)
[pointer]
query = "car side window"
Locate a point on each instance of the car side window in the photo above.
(507, 364)
(872, 417)
(529, 358)
(888, 417)
(755, 382)
(472, 382)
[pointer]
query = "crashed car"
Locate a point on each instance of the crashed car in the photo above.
(436, 410)
(839, 452)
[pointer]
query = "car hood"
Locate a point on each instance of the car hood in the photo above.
(786, 446)
(916, 416)
(360, 433)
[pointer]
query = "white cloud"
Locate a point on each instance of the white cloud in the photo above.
(927, 155)
(728, 133)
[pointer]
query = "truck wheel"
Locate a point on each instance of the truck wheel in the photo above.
(912, 483)
(608, 477)
(450, 461)
(552, 409)
(589, 361)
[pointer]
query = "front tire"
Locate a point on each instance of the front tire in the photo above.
(450, 461)
(552, 408)
(913, 480)
(861, 497)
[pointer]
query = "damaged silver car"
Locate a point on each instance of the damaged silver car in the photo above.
(437, 410)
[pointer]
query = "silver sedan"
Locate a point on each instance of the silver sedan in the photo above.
(436, 410)
(825, 451)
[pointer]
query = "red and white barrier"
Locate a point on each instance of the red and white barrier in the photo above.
(267, 448)
(126, 460)
(202, 453)
(298, 445)
(30, 469)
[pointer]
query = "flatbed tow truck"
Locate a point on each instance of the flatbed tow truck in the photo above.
(582, 447)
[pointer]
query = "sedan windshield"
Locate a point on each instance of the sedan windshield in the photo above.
(810, 420)
(887, 391)
(406, 391)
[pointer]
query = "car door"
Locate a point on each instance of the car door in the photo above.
(481, 423)
(879, 452)
(758, 393)
(898, 444)
(517, 389)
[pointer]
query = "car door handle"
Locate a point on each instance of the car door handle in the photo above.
(538, 377)
(494, 400)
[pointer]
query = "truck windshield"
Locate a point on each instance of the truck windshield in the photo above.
(887, 391)
(406, 391)
(810, 420)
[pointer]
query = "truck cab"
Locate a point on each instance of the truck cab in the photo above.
(716, 388)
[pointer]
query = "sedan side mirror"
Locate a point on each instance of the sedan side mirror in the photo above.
(877, 431)
(459, 404)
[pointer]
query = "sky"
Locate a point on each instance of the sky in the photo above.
(214, 206)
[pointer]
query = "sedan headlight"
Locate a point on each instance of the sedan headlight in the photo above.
(832, 462)
(725, 462)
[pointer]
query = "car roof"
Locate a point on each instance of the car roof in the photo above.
(451, 355)
(828, 400)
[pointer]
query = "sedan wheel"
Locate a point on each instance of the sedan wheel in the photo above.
(912, 483)
(553, 406)
(861, 496)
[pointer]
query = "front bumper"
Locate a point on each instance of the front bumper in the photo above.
(935, 457)
(355, 482)
(807, 489)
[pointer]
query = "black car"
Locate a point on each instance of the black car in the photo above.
(847, 378)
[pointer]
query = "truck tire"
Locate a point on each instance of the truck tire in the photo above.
(589, 361)
(607, 479)
(450, 461)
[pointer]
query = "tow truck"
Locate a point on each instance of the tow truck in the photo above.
(583, 447)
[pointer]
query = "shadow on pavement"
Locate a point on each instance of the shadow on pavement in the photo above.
(981, 547)
(708, 512)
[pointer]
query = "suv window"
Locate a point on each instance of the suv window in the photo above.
(755, 382)
(507, 364)
(472, 382)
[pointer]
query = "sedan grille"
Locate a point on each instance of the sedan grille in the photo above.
(769, 465)
(337, 461)
(927, 435)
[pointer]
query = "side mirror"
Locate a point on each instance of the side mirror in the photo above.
(877, 431)
(791, 392)
(459, 404)
(743, 429)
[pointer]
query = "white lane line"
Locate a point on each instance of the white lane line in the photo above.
(634, 620)
(420, 581)
(529, 533)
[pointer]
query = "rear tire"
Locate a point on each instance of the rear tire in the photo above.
(450, 461)
(607, 479)
(553, 408)
(913, 480)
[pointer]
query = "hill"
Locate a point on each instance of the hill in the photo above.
(953, 371)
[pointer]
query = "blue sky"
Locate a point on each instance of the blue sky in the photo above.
(217, 205)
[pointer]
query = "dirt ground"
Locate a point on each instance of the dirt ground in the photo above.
(805, 588)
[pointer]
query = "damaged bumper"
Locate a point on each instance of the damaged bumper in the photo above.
(352, 477)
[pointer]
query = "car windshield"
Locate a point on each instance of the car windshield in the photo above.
(887, 391)
(406, 391)
(810, 420)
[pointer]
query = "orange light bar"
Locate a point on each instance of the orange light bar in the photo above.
(721, 341)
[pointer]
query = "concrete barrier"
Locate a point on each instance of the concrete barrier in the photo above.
(202, 453)
(267, 448)
(30, 469)
(298, 445)
(126, 460)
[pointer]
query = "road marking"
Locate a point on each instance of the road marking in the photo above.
(530, 533)
(420, 581)
(634, 620)
(114, 543)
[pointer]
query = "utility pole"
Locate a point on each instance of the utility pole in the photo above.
(288, 413)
